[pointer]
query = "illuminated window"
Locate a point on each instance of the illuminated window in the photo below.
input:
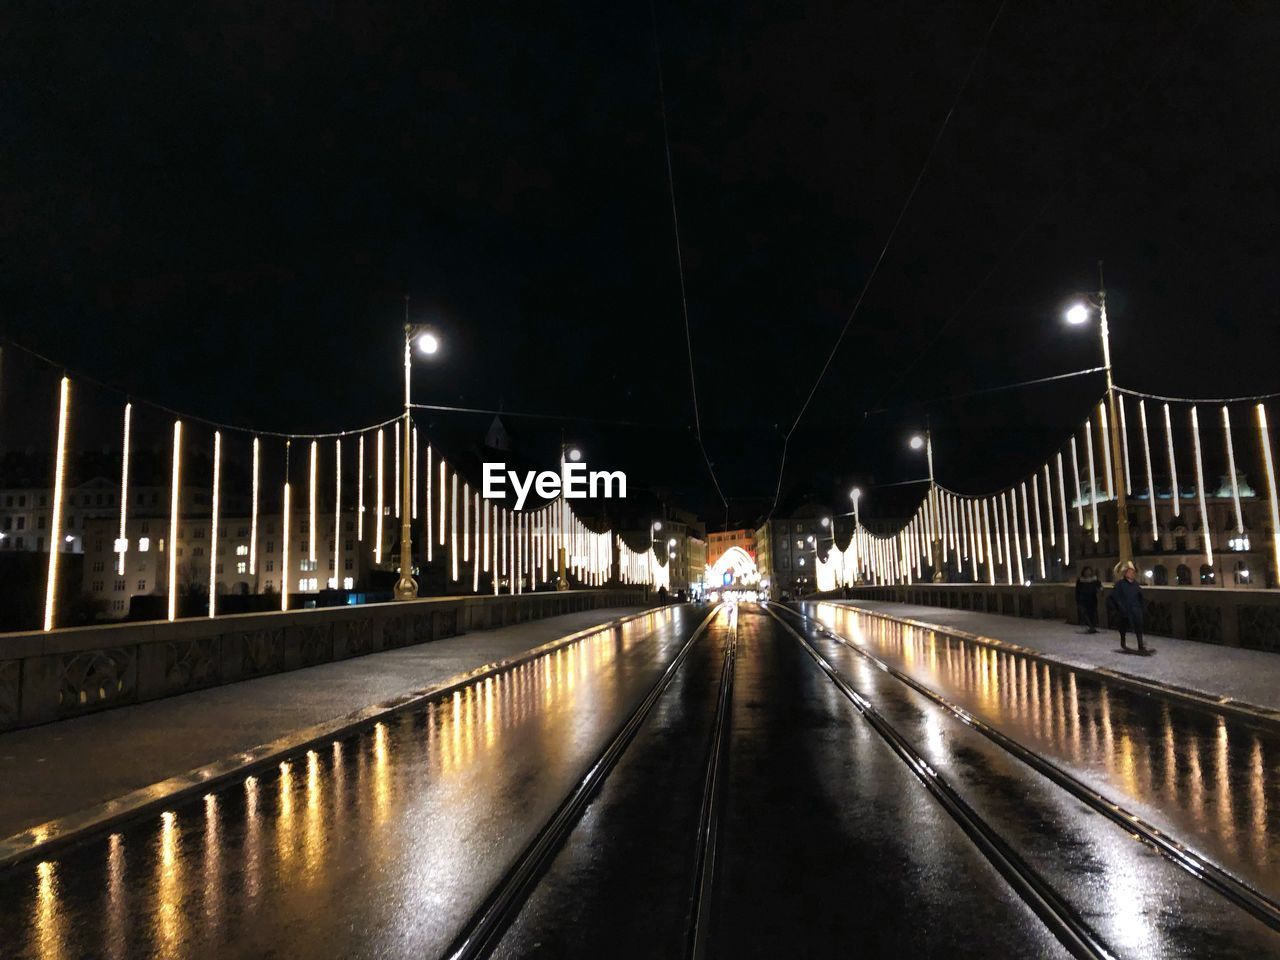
(242, 567)
(242, 550)
(348, 583)
(306, 566)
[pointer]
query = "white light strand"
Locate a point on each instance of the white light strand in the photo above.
(288, 515)
(1093, 479)
(337, 513)
(121, 543)
(1035, 497)
(59, 469)
(311, 500)
(253, 512)
(427, 507)
(1173, 467)
(986, 525)
(175, 488)
(414, 465)
(213, 527)
(1008, 559)
(1105, 439)
(1151, 483)
(1048, 506)
(1264, 438)
(360, 489)
(396, 502)
(975, 543)
(1231, 468)
(1062, 501)
(1026, 519)
(378, 505)
(475, 556)
(1204, 513)
(485, 521)
(1124, 444)
(443, 483)
(453, 527)
(1075, 478)
(466, 521)
(1017, 547)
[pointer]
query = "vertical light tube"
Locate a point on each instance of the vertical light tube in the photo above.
(337, 513)
(288, 517)
(124, 490)
(1026, 518)
(1017, 546)
(1105, 440)
(213, 528)
(427, 506)
(1093, 479)
(1151, 483)
(1264, 437)
(442, 499)
(995, 520)
(414, 468)
(453, 526)
(175, 480)
(475, 557)
(485, 535)
(1204, 513)
(1173, 466)
(1124, 444)
(1035, 497)
(360, 489)
(1062, 500)
(986, 524)
(1048, 504)
(1231, 467)
(1008, 558)
(466, 521)
(311, 502)
(1075, 477)
(377, 517)
(396, 506)
(494, 529)
(253, 514)
(975, 543)
(59, 468)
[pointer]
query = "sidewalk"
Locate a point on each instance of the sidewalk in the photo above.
(1249, 679)
(61, 768)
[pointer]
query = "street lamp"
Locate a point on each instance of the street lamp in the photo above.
(925, 441)
(855, 495)
(428, 344)
(1076, 315)
(573, 454)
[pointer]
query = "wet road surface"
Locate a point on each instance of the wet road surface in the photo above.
(385, 843)
(1210, 780)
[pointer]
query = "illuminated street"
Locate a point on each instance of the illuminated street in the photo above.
(389, 841)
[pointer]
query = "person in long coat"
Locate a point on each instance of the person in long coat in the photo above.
(1126, 603)
(1087, 587)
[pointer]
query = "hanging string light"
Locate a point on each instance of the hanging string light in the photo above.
(311, 501)
(378, 505)
(442, 499)
(122, 543)
(213, 525)
(337, 514)
(453, 527)
(175, 489)
(475, 557)
(1093, 480)
(1151, 483)
(414, 465)
(1124, 444)
(427, 508)
(1075, 478)
(396, 502)
(1105, 438)
(986, 524)
(59, 470)
(1204, 513)
(1062, 500)
(1035, 498)
(360, 489)
(1173, 467)
(253, 514)
(1264, 438)
(1231, 469)
(288, 515)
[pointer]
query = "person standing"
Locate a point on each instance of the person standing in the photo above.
(1126, 602)
(1087, 587)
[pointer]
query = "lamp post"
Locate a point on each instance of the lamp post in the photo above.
(428, 343)
(1077, 315)
(925, 442)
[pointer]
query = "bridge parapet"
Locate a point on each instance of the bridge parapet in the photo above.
(72, 672)
(1234, 618)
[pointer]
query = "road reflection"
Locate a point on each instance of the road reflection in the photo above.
(1215, 782)
(360, 847)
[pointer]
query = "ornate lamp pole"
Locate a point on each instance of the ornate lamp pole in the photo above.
(428, 343)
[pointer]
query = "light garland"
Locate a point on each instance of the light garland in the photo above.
(1231, 467)
(1105, 438)
(213, 528)
(360, 489)
(337, 513)
(253, 512)
(1075, 478)
(377, 518)
(1093, 480)
(1124, 444)
(1173, 467)
(1204, 513)
(1151, 483)
(1264, 438)
(121, 542)
(59, 469)
(174, 496)
(311, 502)
(288, 512)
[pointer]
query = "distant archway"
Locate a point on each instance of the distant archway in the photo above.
(738, 564)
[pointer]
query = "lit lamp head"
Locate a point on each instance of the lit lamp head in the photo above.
(1077, 314)
(574, 454)
(671, 542)
(855, 494)
(917, 442)
(428, 343)
(826, 521)
(657, 524)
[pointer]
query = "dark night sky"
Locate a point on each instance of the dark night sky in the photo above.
(221, 206)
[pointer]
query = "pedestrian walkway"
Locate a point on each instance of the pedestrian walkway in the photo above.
(61, 768)
(1248, 678)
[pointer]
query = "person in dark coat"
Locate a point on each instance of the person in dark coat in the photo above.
(1087, 587)
(1126, 603)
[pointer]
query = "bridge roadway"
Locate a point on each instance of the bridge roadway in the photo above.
(769, 784)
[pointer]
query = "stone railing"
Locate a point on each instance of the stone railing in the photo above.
(68, 673)
(1234, 618)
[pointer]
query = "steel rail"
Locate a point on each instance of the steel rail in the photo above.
(487, 925)
(712, 796)
(1215, 877)
(1061, 919)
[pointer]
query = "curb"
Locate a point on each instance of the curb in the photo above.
(61, 832)
(1264, 717)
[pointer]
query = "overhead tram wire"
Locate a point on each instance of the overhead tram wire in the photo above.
(675, 225)
(985, 390)
(875, 268)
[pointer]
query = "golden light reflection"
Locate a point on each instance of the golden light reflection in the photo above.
(116, 889)
(212, 879)
(313, 838)
(47, 921)
(381, 774)
(168, 915)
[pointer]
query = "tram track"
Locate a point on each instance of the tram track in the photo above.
(1193, 864)
(488, 925)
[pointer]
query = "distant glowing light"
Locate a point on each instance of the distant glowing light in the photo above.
(575, 454)
(917, 442)
(1078, 314)
(428, 343)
